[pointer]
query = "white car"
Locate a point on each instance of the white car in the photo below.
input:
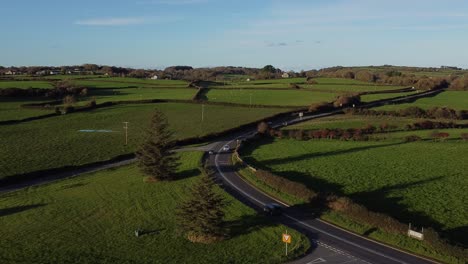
(226, 148)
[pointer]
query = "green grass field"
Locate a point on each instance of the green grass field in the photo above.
(25, 84)
(375, 97)
(159, 82)
(92, 218)
(420, 182)
(454, 99)
(266, 97)
(10, 109)
(350, 121)
(129, 94)
(350, 88)
(56, 141)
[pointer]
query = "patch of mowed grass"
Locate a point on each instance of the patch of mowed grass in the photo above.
(457, 100)
(268, 97)
(25, 84)
(10, 108)
(56, 142)
(419, 182)
(92, 218)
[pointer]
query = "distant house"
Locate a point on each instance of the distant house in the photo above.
(54, 72)
(41, 73)
(285, 75)
(154, 77)
(10, 73)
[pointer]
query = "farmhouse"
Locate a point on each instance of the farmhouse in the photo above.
(285, 75)
(10, 73)
(154, 77)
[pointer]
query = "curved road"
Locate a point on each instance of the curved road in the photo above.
(330, 244)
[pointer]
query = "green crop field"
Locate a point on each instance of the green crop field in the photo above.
(454, 99)
(265, 97)
(25, 84)
(92, 218)
(420, 182)
(56, 141)
(10, 109)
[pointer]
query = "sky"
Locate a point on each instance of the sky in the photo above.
(289, 34)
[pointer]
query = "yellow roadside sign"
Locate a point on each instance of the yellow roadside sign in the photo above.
(287, 238)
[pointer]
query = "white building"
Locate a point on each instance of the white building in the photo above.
(285, 75)
(154, 77)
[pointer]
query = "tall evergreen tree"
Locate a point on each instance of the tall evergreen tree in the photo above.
(202, 216)
(155, 158)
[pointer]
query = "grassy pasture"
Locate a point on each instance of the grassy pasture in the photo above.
(265, 97)
(159, 82)
(56, 142)
(421, 182)
(93, 217)
(375, 97)
(350, 121)
(10, 109)
(25, 84)
(141, 94)
(454, 99)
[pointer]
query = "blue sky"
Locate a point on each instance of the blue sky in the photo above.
(293, 34)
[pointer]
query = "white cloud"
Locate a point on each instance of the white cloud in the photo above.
(125, 21)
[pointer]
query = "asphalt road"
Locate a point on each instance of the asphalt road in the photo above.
(330, 244)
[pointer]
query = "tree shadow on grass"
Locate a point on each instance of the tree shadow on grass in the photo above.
(307, 156)
(246, 224)
(186, 174)
(18, 209)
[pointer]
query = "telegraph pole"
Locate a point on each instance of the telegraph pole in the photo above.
(202, 112)
(126, 132)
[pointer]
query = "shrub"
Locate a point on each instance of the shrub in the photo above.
(263, 128)
(321, 107)
(294, 86)
(464, 136)
(283, 185)
(412, 138)
(347, 100)
(68, 109)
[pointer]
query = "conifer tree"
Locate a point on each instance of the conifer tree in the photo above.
(155, 158)
(201, 217)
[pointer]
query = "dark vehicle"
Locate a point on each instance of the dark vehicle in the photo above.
(272, 209)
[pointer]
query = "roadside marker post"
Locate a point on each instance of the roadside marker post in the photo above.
(287, 240)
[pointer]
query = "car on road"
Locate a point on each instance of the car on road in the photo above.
(226, 148)
(272, 209)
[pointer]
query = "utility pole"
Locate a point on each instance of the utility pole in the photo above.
(202, 112)
(126, 132)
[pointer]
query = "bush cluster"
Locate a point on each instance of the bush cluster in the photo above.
(361, 214)
(413, 111)
(427, 124)
(296, 189)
